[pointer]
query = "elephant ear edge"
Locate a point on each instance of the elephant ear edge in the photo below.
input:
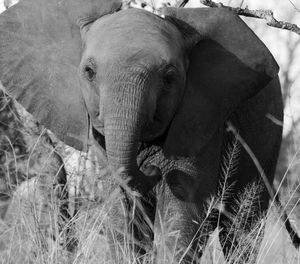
(40, 46)
(223, 72)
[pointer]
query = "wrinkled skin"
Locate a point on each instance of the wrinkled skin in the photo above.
(167, 84)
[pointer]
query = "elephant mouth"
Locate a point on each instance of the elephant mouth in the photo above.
(98, 136)
(97, 124)
(145, 149)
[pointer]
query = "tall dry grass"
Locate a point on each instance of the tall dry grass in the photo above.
(26, 237)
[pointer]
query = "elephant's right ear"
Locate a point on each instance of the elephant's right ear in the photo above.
(228, 64)
(40, 49)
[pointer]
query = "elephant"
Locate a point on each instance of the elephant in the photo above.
(139, 82)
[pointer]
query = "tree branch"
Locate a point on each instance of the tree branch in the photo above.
(181, 3)
(259, 13)
(267, 15)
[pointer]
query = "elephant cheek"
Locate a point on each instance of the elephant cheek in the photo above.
(166, 107)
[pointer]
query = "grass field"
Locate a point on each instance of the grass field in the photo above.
(25, 237)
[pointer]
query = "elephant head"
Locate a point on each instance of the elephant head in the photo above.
(133, 76)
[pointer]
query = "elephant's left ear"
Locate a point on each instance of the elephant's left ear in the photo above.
(227, 65)
(40, 51)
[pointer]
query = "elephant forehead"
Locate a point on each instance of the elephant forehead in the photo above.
(130, 31)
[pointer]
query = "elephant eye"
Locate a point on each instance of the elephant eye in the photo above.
(89, 73)
(169, 75)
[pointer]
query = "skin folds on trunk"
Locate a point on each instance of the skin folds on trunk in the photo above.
(124, 119)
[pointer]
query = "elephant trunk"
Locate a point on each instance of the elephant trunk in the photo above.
(124, 118)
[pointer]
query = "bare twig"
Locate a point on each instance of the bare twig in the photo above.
(295, 7)
(259, 13)
(181, 3)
